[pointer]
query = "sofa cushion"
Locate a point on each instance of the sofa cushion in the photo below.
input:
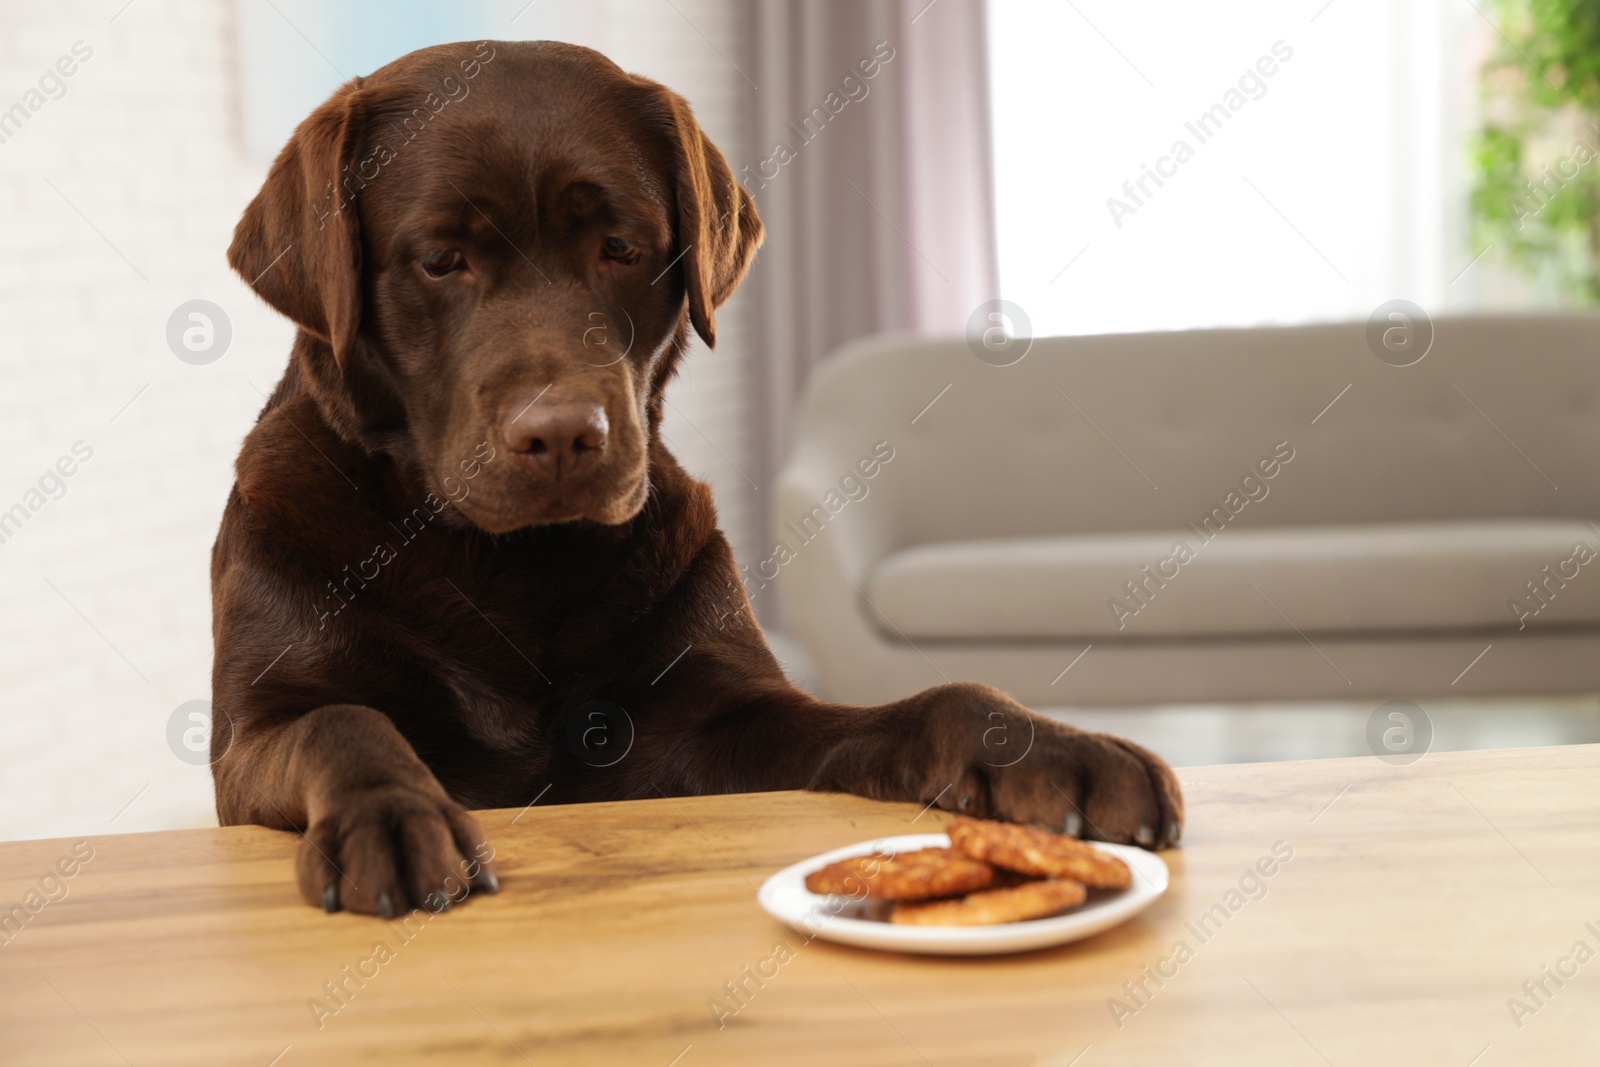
(1358, 579)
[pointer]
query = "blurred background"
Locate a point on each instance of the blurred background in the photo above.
(997, 150)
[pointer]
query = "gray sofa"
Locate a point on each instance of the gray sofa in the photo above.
(1213, 515)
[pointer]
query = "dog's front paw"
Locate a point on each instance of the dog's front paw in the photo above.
(999, 760)
(388, 850)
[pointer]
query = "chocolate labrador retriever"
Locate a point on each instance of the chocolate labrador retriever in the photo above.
(459, 569)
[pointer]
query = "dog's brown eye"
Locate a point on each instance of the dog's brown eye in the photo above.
(619, 249)
(442, 261)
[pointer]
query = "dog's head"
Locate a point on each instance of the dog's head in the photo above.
(499, 249)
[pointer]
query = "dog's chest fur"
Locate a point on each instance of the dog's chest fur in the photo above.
(481, 646)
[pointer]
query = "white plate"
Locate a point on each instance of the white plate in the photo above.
(784, 896)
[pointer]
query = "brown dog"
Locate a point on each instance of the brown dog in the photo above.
(460, 570)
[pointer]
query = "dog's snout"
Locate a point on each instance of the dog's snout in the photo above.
(559, 438)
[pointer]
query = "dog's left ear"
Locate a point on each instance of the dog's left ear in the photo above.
(718, 228)
(298, 244)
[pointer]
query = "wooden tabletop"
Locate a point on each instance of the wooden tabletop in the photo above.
(1415, 903)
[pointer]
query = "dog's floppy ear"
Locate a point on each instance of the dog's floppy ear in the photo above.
(298, 244)
(718, 228)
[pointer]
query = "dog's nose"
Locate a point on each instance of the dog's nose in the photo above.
(561, 438)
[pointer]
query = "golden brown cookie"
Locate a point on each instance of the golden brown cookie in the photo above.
(928, 872)
(1037, 852)
(1031, 900)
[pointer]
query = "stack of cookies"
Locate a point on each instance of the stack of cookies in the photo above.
(994, 872)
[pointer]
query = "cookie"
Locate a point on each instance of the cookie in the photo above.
(920, 875)
(1037, 852)
(1031, 900)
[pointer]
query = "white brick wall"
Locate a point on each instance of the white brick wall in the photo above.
(106, 603)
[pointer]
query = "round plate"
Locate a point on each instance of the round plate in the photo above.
(784, 896)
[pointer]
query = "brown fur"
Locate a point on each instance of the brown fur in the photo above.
(413, 618)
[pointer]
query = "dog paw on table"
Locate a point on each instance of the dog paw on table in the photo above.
(390, 850)
(993, 758)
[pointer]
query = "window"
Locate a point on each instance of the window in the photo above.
(1169, 166)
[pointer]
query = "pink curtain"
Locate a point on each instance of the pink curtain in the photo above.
(869, 124)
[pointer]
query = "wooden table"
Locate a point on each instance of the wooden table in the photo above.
(1417, 902)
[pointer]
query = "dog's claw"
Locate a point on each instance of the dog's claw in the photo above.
(330, 899)
(1145, 836)
(1174, 832)
(489, 883)
(385, 906)
(1074, 824)
(966, 801)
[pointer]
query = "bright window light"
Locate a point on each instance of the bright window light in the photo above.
(1173, 165)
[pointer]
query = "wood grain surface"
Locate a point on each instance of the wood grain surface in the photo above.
(1415, 904)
